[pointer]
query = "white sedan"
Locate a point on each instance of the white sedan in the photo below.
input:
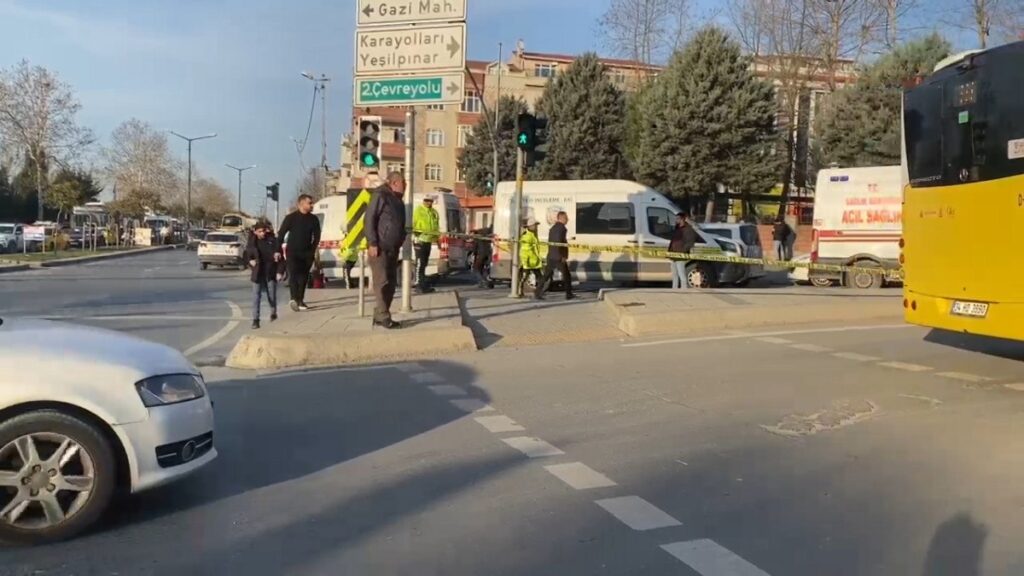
(84, 413)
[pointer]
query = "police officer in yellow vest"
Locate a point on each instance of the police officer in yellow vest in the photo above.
(529, 254)
(349, 257)
(426, 230)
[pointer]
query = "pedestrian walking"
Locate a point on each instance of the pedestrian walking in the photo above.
(385, 234)
(426, 231)
(349, 257)
(558, 258)
(482, 254)
(301, 233)
(263, 253)
(780, 235)
(529, 254)
(684, 238)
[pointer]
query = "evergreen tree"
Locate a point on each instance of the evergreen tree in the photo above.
(586, 126)
(709, 121)
(477, 159)
(71, 188)
(861, 126)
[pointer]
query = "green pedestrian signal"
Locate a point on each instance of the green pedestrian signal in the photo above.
(368, 160)
(527, 127)
(369, 142)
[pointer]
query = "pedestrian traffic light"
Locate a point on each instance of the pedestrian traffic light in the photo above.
(526, 132)
(540, 142)
(274, 191)
(369, 142)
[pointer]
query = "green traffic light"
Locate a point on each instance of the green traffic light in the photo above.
(524, 139)
(369, 160)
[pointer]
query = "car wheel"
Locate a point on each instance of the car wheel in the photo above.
(821, 282)
(864, 279)
(699, 276)
(57, 477)
(12, 247)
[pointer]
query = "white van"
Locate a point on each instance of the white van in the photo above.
(857, 221)
(613, 213)
(332, 212)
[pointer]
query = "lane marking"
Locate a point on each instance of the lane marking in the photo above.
(810, 348)
(1015, 387)
(132, 317)
(964, 377)
(708, 558)
(426, 378)
(856, 357)
(637, 513)
(236, 312)
(906, 367)
(472, 405)
(580, 476)
(447, 390)
(498, 424)
(763, 334)
(532, 447)
(772, 340)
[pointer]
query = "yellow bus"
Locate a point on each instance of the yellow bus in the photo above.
(963, 199)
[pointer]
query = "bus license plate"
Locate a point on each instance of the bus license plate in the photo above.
(973, 309)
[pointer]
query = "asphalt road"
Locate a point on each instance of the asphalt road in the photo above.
(837, 450)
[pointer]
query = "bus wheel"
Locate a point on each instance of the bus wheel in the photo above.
(865, 279)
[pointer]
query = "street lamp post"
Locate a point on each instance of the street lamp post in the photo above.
(321, 85)
(188, 197)
(240, 170)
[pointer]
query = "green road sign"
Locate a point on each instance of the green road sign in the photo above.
(409, 90)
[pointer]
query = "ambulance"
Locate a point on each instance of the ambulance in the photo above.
(333, 213)
(857, 222)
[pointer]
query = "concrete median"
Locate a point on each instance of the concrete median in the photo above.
(103, 256)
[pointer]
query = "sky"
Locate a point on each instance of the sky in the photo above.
(233, 67)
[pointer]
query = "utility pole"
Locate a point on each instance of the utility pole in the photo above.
(320, 84)
(497, 129)
(188, 197)
(410, 177)
(517, 215)
(240, 170)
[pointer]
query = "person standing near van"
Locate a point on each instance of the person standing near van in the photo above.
(780, 238)
(529, 254)
(426, 230)
(790, 242)
(385, 234)
(684, 238)
(482, 254)
(558, 257)
(264, 256)
(302, 230)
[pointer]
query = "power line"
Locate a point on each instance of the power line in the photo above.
(309, 124)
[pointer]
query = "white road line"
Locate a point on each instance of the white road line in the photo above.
(708, 558)
(580, 476)
(447, 390)
(773, 340)
(498, 424)
(856, 357)
(154, 317)
(762, 334)
(906, 367)
(426, 378)
(637, 513)
(472, 405)
(810, 348)
(532, 447)
(236, 312)
(964, 377)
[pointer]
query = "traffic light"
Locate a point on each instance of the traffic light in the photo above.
(540, 142)
(369, 142)
(526, 132)
(274, 191)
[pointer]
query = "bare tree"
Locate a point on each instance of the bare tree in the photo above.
(312, 183)
(645, 31)
(1002, 20)
(840, 30)
(138, 160)
(891, 20)
(38, 117)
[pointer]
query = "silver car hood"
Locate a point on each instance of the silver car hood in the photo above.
(25, 343)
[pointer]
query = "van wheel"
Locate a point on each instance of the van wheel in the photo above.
(203, 265)
(699, 276)
(821, 282)
(864, 279)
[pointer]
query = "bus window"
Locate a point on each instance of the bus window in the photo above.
(923, 128)
(1005, 122)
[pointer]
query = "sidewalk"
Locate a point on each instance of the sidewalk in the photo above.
(662, 311)
(332, 333)
(508, 322)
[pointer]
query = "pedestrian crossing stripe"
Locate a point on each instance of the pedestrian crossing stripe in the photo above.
(355, 219)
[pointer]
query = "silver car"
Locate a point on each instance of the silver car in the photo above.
(748, 238)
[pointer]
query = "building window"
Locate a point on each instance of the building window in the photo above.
(545, 70)
(435, 137)
(433, 173)
(618, 77)
(435, 106)
(464, 132)
(460, 176)
(471, 102)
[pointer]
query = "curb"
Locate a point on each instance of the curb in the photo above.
(109, 256)
(15, 268)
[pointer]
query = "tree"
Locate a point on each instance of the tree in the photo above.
(38, 115)
(139, 162)
(636, 122)
(710, 123)
(210, 200)
(311, 182)
(1003, 19)
(861, 125)
(585, 113)
(71, 187)
(645, 31)
(891, 15)
(477, 159)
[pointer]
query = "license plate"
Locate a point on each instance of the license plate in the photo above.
(973, 309)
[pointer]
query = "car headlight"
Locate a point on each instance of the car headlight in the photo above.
(170, 389)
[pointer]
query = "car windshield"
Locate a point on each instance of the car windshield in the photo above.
(5, 229)
(198, 234)
(231, 221)
(222, 238)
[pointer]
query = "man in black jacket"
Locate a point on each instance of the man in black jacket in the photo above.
(558, 258)
(385, 234)
(684, 238)
(301, 233)
(264, 256)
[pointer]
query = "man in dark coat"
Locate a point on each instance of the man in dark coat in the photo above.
(385, 234)
(265, 264)
(558, 258)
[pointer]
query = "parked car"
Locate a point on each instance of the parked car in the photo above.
(222, 249)
(749, 240)
(12, 238)
(106, 412)
(195, 237)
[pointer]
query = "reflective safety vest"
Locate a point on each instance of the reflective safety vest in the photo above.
(426, 224)
(529, 251)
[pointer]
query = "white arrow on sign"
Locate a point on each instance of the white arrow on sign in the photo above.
(379, 12)
(410, 49)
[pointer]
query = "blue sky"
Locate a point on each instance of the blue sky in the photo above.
(232, 66)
